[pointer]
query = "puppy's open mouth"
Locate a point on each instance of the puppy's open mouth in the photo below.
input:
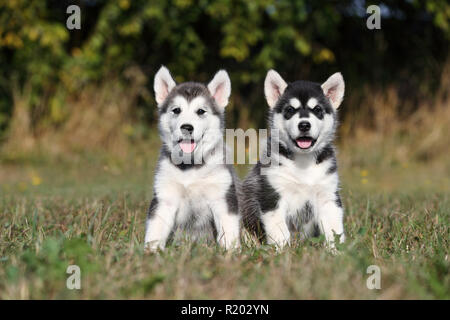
(187, 145)
(305, 142)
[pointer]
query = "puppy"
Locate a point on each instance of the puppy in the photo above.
(298, 196)
(195, 192)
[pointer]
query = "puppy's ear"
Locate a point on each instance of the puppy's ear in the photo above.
(334, 89)
(163, 84)
(220, 88)
(274, 86)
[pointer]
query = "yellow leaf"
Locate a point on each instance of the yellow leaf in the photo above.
(36, 180)
(124, 4)
(325, 55)
(364, 173)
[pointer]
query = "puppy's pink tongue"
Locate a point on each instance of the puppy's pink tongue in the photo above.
(304, 143)
(187, 146)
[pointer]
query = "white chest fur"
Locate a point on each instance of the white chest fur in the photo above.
(192, 191)
(301, 181)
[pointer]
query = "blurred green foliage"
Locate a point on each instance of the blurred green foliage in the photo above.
(302, 39)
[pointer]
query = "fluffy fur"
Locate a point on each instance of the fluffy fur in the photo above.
(299, 195)
(195, 192)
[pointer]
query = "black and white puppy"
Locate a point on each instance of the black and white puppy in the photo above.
(299, 194)
(195, 192)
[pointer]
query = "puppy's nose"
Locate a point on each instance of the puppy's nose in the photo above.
(304, 126)
(187, 127)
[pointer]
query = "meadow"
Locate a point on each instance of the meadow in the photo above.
(89, 209)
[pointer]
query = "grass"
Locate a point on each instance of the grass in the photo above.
(90, 211)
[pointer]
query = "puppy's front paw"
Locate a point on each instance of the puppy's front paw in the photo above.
(331, 245)
(152, 247)
(280, 242)
(229, 245)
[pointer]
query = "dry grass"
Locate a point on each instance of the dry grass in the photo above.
(99, 118)
(378, 124)
(104, 118)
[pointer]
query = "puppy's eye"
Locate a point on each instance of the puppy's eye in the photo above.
(200, 112)
(317, 109)
(290, 110)
(176, 110)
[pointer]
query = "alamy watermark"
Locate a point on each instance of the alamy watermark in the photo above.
(74, 280)
(238, 147)
(374, 280)
(374, 20)
(74, 20)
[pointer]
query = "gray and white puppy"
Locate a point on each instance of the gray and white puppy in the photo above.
(195, 192)
(299, 194)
